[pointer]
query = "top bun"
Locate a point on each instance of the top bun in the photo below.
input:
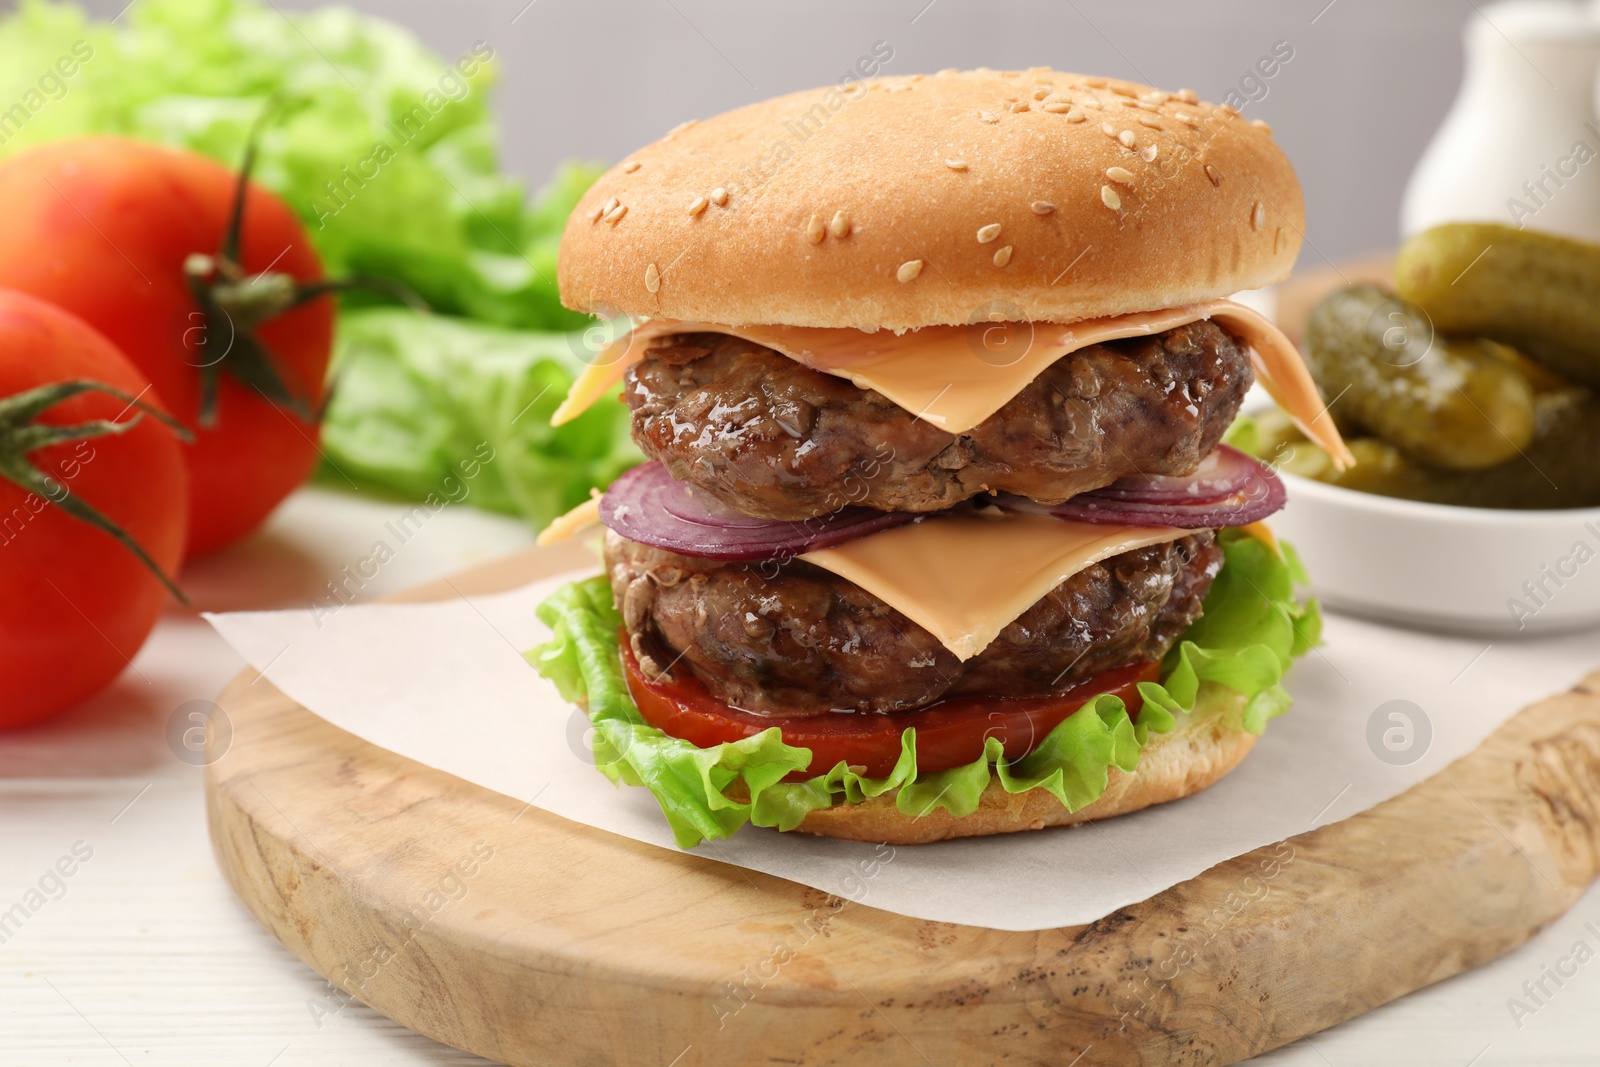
(961, 197)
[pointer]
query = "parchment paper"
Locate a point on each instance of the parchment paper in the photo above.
(445, 684)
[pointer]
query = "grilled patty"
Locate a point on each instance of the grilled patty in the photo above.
(791, 638)
(775, 439)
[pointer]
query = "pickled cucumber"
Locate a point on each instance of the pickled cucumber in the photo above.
(1451, 404)
(1534, 291)
(1560, 469)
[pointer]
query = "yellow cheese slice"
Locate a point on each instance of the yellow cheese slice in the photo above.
(965, 576)
(573, 523)
(956, 376)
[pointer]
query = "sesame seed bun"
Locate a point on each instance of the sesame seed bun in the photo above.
(1197, 753)
(959, 197)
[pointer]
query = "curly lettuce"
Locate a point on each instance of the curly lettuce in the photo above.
(1252, 630)
(429, 401)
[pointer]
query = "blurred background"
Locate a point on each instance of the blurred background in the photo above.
(1369, 81)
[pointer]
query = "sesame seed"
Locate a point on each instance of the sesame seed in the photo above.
(1127, 103)
(1095, 83)
(1108, 129)
(1109, 197)
(1041, 91)
(609, 206)
(1145, 105)
(1277, 239)
(1229, 110)
(1188, 96)
(697, 205)
(815, 230)
(1150, 121)
(1002, 256)
(1149, 152)
(909, 270)
(1127, 138)
(679, 128)
(594, 213)
(945, 71)
(1211, 172)
(840, 226)
(630, 166)
(614, 216)
(988, 116)
(1187, 119)
(1020, 105)
(1124, 89)
(719, 196)
(1155, 96)
(652, 278)
(1056, 107)
(1258, 216)
(1041, 207)
(1076, 115)
(914, 77)
(1260, 125)
(988, 233)
(1120, 175)
(956, 164)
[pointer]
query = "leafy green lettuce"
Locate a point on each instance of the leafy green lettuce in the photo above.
(417, 395)
(1252, 630)
(385, 149)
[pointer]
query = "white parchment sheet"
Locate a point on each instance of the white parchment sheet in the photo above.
(1376, 711)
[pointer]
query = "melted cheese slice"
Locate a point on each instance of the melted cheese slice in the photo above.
(573, 523)
(966, 576)
(957, 376)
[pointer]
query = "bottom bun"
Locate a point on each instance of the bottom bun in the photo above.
(1196, 753)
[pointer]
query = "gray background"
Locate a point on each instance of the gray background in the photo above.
(1369, 82)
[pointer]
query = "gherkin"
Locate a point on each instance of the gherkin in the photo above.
(1534, 291)
(1453, 404)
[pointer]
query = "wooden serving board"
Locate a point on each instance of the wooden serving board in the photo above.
(496, 927)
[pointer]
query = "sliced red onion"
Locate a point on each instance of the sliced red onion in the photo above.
(648, 506)
(1224, 473)
(1255, 492)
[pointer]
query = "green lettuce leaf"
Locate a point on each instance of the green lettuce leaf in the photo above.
(432, 404)
(1252, 630)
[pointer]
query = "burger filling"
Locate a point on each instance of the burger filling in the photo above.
(776, 439)
(790, 638)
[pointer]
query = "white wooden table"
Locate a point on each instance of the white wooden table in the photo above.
(142, 956)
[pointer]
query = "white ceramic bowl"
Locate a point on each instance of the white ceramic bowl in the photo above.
(1472, 570)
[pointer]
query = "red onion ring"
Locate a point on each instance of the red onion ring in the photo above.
(1224, 473)
(647, 505)
(1254, 493)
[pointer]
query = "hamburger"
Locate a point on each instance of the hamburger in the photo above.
(937, 535)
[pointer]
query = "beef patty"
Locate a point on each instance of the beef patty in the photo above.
(789, 637)
(775, 439)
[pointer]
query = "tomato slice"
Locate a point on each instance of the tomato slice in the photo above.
(949, 734)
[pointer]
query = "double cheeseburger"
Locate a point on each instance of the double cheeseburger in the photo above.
(936, 536)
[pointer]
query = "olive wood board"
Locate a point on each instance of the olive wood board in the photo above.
(496, 927)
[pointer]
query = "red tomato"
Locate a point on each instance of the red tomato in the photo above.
(78, 604)
(949, 734)
(102, 226)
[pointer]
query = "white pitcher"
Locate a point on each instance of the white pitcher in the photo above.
(1521, 145)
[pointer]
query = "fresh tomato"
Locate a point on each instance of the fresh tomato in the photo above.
(949, 734)
(105, 227)
(78, 602)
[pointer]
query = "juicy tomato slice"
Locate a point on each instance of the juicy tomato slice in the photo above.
(949, 734)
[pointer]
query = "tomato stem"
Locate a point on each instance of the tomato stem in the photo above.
(20, 436)
(235, 304)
